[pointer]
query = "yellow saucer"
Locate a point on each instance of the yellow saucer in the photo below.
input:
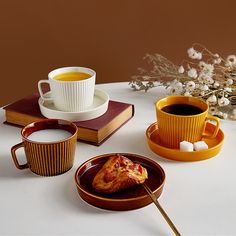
(214, 146)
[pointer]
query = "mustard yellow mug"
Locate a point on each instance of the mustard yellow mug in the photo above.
(183, 118)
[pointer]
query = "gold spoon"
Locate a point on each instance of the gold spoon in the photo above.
(154, 199)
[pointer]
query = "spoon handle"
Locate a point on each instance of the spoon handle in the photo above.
(154, 199)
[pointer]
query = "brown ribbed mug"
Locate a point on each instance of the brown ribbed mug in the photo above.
(47, 157)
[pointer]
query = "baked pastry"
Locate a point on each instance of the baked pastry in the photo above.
(118, 173)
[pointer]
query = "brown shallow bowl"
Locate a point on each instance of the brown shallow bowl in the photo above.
(131, 198)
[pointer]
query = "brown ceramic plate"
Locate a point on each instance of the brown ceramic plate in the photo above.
(131, 198)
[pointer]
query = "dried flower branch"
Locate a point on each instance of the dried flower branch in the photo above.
(206, 75)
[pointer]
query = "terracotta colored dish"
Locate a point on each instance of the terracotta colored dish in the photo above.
(131, 198)
(214, 145)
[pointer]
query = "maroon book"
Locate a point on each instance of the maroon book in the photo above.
(95, 131)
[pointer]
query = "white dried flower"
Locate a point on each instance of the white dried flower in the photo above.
(205, 79)
(212, 77)
(175, 87)
(206, 67)
(203, 87)
(201, 64)
(223, 101)
(209, 80)
(175, 90)
(228, 90)
(213, 110)
(192, 73)
(199, 56)
(212, 99)
(224, 115)
(208, 70)
(217, 61)
(202, 93)
(231, 61)
(181, 69)
(176, 83)
(193, 54)
(187, 94)
(190, 86)
(216, 85)
(219, 113)
(205, 76)
(229, 82)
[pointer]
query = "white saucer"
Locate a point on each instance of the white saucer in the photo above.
(99, 107)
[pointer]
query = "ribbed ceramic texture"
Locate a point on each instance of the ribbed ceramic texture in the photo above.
(174, 129)
(214, 145)
(73, 96)
(52, 158)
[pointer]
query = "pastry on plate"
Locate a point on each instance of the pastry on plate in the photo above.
(118, 173)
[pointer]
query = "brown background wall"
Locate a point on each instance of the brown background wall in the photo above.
(111, 37)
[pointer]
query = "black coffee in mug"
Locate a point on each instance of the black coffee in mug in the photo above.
(183, 118)
(182, 109)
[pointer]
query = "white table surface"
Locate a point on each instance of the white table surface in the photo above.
(199, 197)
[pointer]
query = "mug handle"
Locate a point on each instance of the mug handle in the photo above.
(40, 82)
(13, 153)
(217, 127)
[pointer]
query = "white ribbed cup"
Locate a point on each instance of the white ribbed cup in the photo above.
(71, 96)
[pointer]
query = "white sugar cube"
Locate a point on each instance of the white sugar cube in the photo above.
(186, 146)
(200, 145)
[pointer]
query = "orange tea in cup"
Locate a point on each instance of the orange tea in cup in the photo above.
(72, 76)
(182, 118)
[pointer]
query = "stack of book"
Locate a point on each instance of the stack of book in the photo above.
(95, 131)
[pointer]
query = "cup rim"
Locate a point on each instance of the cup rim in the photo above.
(66, 69)
(59, 122)
(189, 98)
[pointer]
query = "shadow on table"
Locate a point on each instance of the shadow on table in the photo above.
(136, 142)
(70, 199)
(9, 170)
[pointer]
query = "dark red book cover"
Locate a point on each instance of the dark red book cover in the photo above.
(28, 106)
